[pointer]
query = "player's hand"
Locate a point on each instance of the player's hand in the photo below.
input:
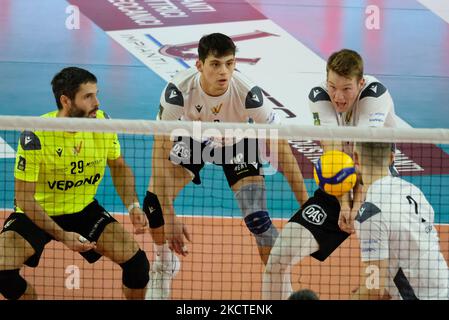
(176, 233)
(346, 219)
(76, 242)
(139, 220)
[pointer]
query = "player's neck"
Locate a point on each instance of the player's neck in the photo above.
(373, 175)
(61, 113)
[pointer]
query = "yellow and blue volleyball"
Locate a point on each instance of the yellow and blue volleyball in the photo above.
(335, 173)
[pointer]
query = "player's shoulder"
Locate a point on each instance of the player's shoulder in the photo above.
(319, 93)
(373, 88)
(377, 197)
(247, 90)
(33, 140)
(181, 84)
(102, 115)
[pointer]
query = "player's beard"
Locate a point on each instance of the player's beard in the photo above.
(77, 112)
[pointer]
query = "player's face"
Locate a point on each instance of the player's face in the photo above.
(343, 91)
(216, 74)
(85, 104)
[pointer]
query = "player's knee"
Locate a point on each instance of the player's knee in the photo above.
(136, 270)
(153, 210)
(12, 285)
(261, 226)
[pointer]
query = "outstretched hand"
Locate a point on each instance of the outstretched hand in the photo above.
(176, 233)
(139, 220)
(346, 219)
(76, 242)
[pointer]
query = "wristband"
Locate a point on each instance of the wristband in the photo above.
(133, 205)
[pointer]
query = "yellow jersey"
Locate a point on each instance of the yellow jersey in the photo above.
(67, 167)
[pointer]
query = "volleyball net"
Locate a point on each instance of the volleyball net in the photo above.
(223, 260)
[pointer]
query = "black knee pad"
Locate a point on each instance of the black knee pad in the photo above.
(12, 285)
(135, 271)
(153, 210)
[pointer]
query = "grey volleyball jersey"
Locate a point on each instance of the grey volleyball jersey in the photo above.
(373, 107)
(184, 99)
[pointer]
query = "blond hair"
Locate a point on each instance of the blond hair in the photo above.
(346, 63)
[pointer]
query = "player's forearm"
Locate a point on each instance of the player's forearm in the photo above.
(292, 172)
(124, 183)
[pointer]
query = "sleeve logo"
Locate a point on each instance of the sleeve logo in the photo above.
(21, 164)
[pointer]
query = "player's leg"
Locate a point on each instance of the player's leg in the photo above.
(159, 199)
(119, 245)
(169, 177)
(293, 244)
(96, 225)
(16, 249)
(251, 197)
(244, 174)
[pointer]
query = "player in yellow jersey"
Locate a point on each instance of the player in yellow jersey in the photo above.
(56, 179)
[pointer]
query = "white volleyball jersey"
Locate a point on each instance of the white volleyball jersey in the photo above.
(184, 99)
(373, 107)
(396, 223)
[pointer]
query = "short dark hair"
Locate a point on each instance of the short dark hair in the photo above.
(346, 63)
(303, 294)
(217, 44)
(68, 81)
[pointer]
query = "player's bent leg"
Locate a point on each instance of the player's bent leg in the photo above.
(166, 264)
(118, 245)
(252, 201)
(293, 244)
(14, 251)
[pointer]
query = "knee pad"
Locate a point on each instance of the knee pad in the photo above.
(136, 270)
(260, 225)
(252, 200)
(153, 210)
(12, 285)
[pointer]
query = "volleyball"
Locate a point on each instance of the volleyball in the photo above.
(335, 173)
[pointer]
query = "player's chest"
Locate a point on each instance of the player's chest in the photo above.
(75, 154)
(229, 109)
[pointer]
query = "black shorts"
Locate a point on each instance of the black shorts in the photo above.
(239, 160)
(320, 216)
(89, 223)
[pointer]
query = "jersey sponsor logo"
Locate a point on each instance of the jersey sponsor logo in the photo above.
(8, 223)
(314, 214)
(216, 109)
(77, 149)
(254, 98)
(180, 152)
(377, 117)
(316, 119)
(29, 141)
(65, 185)
(21, 164)
(173, 95)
